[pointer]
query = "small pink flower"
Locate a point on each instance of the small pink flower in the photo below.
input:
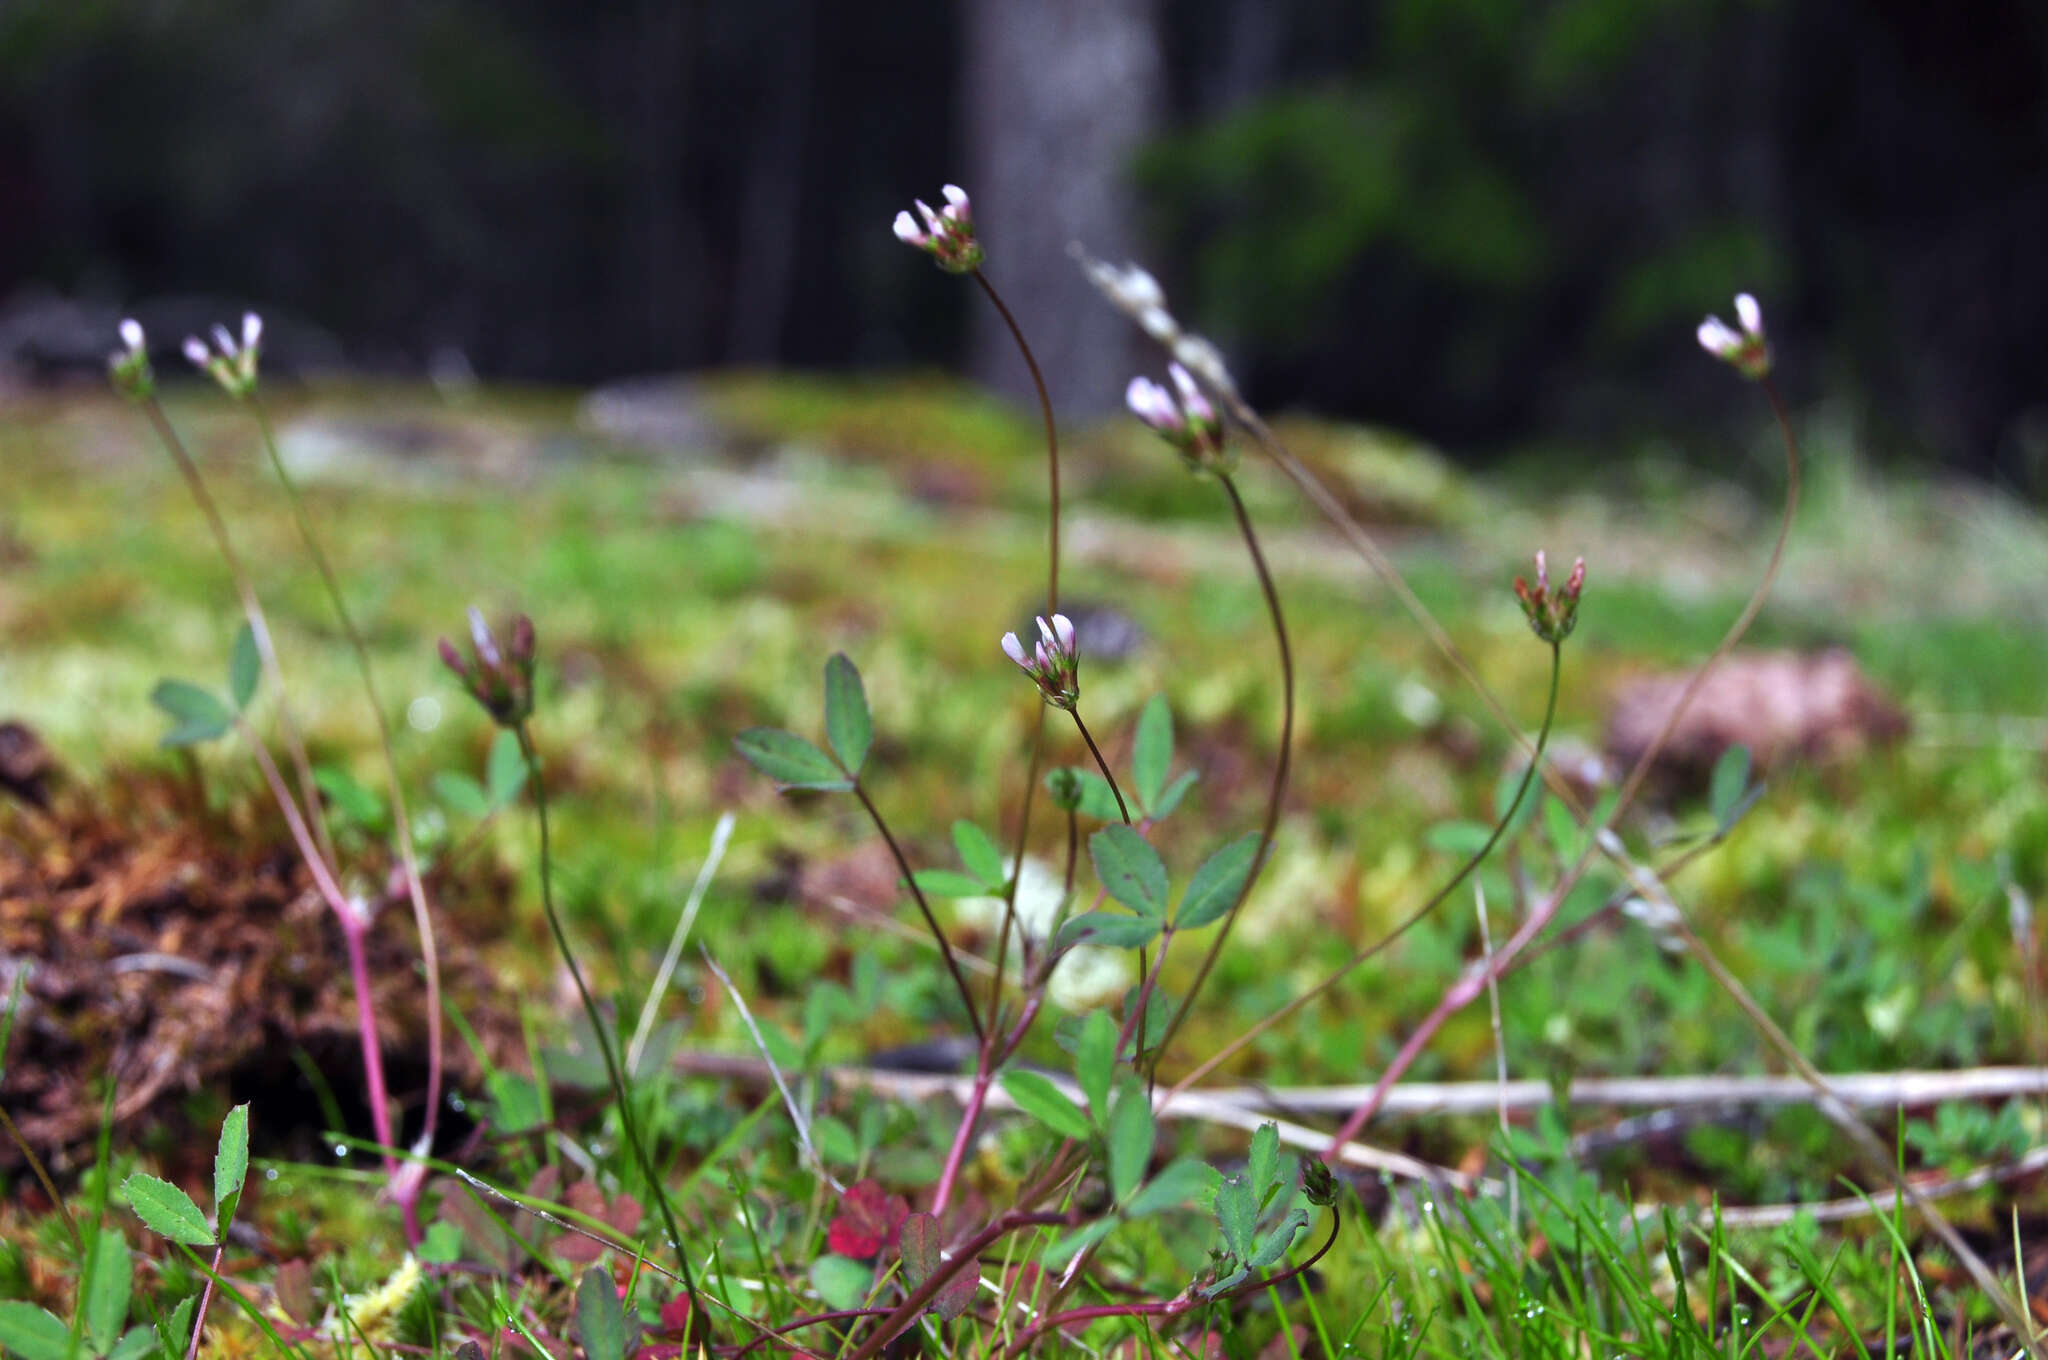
(1190, 424)
(1746, 349)
(230, 363)
(947, 235)
(1053, 663)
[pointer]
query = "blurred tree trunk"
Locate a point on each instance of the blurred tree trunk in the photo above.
(1059, 95)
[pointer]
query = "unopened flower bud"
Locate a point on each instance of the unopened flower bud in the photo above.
(129, 365)
(230, 363)
(1551, 615)
(1318, 1185)
(501, 682)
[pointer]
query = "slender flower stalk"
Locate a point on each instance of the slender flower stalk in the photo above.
(400, 815)
(924, 906)
(1281, 764)
(1414, 918)
(628, 1120)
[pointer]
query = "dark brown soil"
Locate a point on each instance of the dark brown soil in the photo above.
(173, 950)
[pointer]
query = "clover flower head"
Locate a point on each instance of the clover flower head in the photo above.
(1552, 615)
(1189, 423)
(230, 363)
(1747, 349)
(129, 365)
(1053, 663)
(498, 677)
(947, 235)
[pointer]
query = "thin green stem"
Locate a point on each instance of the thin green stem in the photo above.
(627, 1119)
(1101, 765)
(252, 609)
(1413, 918)
(400, 816)
(1280, 765)
(995, 1000)
(1052, 441)
(930, 920)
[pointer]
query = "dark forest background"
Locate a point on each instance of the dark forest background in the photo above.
(1493, 222)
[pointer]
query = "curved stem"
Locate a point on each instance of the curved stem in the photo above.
(917, 1299)
(627, 1119)
(252, 609)
(1052, 441)
(1468, 987)
(1101, 765)
(1280, 766)
(945, 947)
(400, 816)
(1408, 923)
(1168, 1307)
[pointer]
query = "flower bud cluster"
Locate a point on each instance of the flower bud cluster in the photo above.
(1190, 424)
(129, 365)
(1552, 616)
(1054, 664)
(231, 365)
(1135, 293)
(947, 235)
(501, 679)
(1746, 349)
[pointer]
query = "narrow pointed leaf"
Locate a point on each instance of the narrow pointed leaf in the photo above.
(600, 1322)
(245, 667)
(789, 760)
(504, 769)
(1237, 1211)
(230, 1164)
(1185, 1182)
(947, 883)
(1073, 1244)
(1167, 801)
(1214, 889)
(1275, 1243)
(1130, 870)
(848, 724)
(113, 1277)
(460, 794)
(167, 1210)
(1152, 751)
(979, 854)
(1095, 1063)
(1130, 1140)
(1730, 782)
(175, 1329)
(1107, 930)
(196, 715)
(1038, 1097)
(1265, 1163)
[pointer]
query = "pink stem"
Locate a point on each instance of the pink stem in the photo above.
(993, 1055)
(354, 931)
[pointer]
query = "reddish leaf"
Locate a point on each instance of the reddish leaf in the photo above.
(675, 1316)
(868, 1220)
(957, 1295)
(920, 1249)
